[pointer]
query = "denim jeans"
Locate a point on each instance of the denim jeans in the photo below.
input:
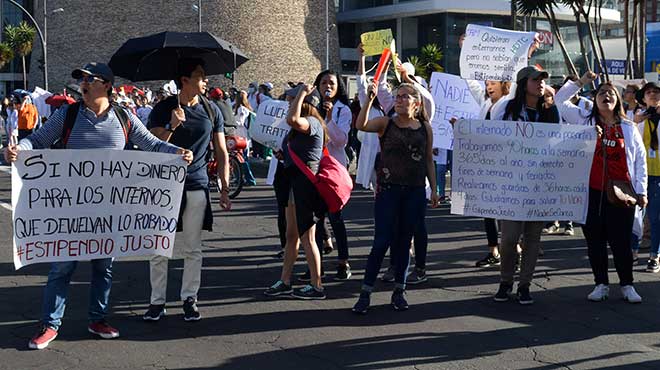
(441, 178)
(653, 213)
(247, 171)
(397, 211)
(59, 279)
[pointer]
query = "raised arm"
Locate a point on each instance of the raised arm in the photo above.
(375, 125)
(571, 113)
(293, 117)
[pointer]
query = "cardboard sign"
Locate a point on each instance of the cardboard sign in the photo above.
(270, 127)
(374, 42)
(72, 205)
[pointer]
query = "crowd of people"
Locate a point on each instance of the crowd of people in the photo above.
(385, 131)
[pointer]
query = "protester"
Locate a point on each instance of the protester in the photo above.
(11, 122)
(190, 121)
(623, 159)
(525, 105)
(243, 113)
(306, 140)
(144, 109)
(406, 143)
(648, 127)
(630, 103)
(28, 117)
(96, 126)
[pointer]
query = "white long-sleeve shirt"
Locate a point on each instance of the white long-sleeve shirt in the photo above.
(339, 126)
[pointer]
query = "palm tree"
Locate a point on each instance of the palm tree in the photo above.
(428, 61)
(546, 7)
(21, 39)
(6, 54)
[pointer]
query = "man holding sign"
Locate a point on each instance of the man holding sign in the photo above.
(95, 124)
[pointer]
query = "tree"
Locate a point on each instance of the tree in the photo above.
(21, 40)
(428, 61)
(546, 7)
(6, 54)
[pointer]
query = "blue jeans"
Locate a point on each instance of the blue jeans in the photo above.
(247, 171)
(397, 211)
(441, 178)
(59, 278)
(653, 213)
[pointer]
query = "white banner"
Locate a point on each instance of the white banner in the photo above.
(522, 171)
(494, 54)
(270, 127)
(90, 204)
(452, 98)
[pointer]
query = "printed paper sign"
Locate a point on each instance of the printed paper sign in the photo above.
(270, 127)
(452, 98)
(374, 42)
(522, 171)
(72, 205)
(494, 54)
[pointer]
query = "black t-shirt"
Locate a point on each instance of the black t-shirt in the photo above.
(194, 134)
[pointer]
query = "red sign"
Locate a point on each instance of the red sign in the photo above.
(547, 38)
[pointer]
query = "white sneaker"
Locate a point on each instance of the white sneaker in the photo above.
(630, 295)
(600, 293)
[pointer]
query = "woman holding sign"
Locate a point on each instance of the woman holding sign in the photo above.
(623, 161)
(406, 142)
(526, 105)
(306, 141)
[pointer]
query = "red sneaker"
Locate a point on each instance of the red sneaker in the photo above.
(103, 330)
(43, 338)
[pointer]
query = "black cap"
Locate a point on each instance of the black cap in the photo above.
(314, 98)
(639, 95)
(95, 69)
(532, 72)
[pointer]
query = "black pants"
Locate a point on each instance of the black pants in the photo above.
(339, 229)
(607, 224)
(490, 224)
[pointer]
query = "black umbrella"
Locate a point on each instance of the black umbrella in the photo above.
(155, 57)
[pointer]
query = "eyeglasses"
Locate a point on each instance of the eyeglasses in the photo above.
(88, 79)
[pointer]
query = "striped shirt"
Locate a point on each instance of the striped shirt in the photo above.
(92, 132)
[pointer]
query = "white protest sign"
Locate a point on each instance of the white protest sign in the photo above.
(522, 171)
(270, 127)
(452, 98)
(72, 205)
(493, 54)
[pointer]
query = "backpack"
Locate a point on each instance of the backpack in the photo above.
(70, 120)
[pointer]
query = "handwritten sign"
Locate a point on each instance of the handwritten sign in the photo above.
(374, 42)
(522, 171)
(270, 127)
(74, 205)
(452, 98)
(493, 54)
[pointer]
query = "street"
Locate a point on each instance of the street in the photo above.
(453, 322)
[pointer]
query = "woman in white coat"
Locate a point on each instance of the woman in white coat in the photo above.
(625, 159)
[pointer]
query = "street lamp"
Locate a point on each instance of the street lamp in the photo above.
(198, 8)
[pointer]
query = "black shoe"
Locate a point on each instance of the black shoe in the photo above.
(308, 292)
(653, 265)
(399, 302)
(154, 313)
(417, 276)
(524, 297)
(362, 305)
(502, 294)
(307, 277)
(489, 260)
(343, 272)
(190, 311)
(279, 288)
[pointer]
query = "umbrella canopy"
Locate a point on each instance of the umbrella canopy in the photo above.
(57, 101)
(156, 57)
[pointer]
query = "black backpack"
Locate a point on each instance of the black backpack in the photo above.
(70, 120)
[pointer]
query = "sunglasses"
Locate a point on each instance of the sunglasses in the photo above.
(88, 79)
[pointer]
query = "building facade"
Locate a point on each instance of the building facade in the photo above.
(285, 40)
(415, 23)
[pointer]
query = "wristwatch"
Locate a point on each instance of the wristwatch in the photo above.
(168, 127)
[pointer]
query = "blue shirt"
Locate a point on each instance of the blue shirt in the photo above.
(92, 132)
(194, 134)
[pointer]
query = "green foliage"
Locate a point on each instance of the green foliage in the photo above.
(21, 38)
(428, 61)
(6, 54)
(534, 7)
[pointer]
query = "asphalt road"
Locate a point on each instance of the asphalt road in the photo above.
(453, 323)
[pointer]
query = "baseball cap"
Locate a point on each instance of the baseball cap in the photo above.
(216, 93)
(532, 72)
(269, 85)
(314, 98)
(95, 69)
